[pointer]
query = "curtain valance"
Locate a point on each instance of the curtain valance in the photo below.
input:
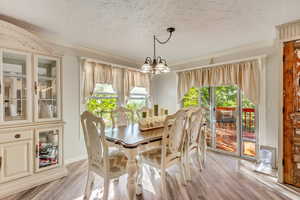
(122, 80)
(243, 74)
(135, 79)
(95, 73)
(289, 31)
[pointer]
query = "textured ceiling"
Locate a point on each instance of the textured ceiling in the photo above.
(125, 27)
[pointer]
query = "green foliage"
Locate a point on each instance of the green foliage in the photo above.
(134, 105)
(98, 106)
(205, 96)
(191, 98)
(246, 103)
(226, 96)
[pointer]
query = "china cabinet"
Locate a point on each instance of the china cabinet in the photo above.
(31, 126)
(46, 88)
(15, 87)
(48, 145)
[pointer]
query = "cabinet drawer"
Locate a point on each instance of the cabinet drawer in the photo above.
(11, 136)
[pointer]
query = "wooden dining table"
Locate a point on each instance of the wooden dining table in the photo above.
(132, 141)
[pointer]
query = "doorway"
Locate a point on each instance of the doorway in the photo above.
(231, 117)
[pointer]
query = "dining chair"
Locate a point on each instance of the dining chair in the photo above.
(172, 150)
(122, 117)
(104, 161)
(196, 137)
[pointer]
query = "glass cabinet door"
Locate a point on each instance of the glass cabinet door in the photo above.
(46, 88)
(15, 86)
(48, 148)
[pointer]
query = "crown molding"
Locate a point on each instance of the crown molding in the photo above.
(97, 53)
(218, 54)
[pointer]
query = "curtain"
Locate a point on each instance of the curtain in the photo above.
(289, 31)
(95, 73)
(117, 83)
(135, 79)
(244, 74)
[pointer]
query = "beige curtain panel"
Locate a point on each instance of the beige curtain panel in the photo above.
(95, 73)
(289, 31)
(244, 74)
(117, 82)
(135, 79)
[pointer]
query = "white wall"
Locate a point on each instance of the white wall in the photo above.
(165, 92)
(74, 147)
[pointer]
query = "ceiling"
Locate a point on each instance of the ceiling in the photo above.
(125, 28)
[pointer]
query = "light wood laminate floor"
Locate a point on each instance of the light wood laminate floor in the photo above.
(222, 179)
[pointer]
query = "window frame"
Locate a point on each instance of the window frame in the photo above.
(139, 96)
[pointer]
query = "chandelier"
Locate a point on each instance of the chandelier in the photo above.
(157, 65)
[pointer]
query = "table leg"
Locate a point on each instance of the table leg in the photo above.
(132, 174)
(139, 189)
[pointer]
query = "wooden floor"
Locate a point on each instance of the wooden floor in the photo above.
(221, 179)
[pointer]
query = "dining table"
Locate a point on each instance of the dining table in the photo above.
(132, 141)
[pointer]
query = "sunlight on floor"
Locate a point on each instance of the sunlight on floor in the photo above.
(147, 185)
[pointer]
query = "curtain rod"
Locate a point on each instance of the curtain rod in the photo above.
(108, 63)
(223, 63)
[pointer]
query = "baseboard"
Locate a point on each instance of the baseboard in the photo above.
(75, 159)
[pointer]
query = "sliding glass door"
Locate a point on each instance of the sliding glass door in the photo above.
(226, 118)
(249, 128)
(231, 119)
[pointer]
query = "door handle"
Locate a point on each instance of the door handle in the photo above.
(36, 150)
(35, 88)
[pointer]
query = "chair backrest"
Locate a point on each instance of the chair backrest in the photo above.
(94, 136)
(174, 131)
(195, 123)
(139, 112)
(122, 117)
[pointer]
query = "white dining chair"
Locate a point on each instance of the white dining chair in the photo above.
(104, 161)
(172, 150)
(196, 134)
(122, 117)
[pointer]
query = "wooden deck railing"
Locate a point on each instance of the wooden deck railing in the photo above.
(248, 120)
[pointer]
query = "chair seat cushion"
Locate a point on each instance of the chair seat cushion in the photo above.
(117, 161)
(153, 156)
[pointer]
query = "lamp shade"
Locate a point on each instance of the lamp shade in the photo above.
(146, 68)
(160, 66)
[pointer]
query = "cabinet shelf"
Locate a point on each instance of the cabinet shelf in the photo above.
(46, 78)
(14, 75)
(15, 99)
(53, 99)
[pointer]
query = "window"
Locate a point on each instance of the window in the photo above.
(138, 99)
(231, 118)
(191, 98)
(103, 101)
